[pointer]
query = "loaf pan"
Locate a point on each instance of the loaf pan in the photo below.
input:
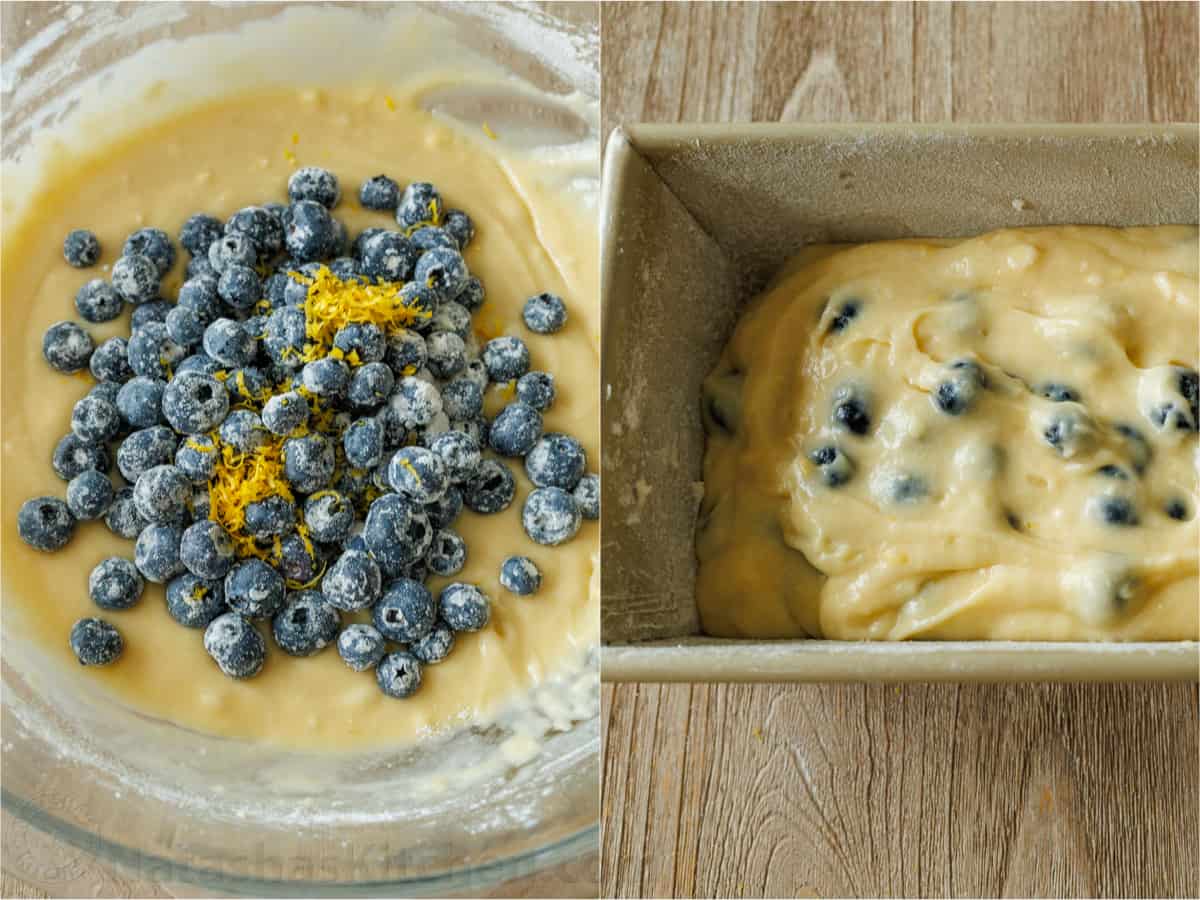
(695, 220)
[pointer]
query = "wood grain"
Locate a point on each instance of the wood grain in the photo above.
(837, 790)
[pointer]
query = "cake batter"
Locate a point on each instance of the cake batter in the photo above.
(993, 438)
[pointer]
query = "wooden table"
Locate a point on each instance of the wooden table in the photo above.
(921, 790)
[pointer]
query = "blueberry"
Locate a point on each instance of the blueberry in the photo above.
(98, 301)
(184, 326)
(67, 347)
(520, 575)
(234, 249)
(1113, 471)
(388, 256)
(420, 203)
(135, 278)
(459, 225)
(443, 271)
(364, 339)
(353, 582)
(315, 184)
(360, 241)
(476, 371)
(306, 625)
(254, 589)
(81, 248)
(240, 287)
(447, 553)
(536, 389)
(308, 462)
(310, 231)
(506, 358)
(443, 511)
(587, 496)
(235, 645)
(1058, 393)
(328, 516)
(201, 297)
(1189, 388)
(464, 607)
(399, 675)
(153, 244)
(115, 583)
(105, 390)
(151, 311)
(206, 550)
(264, 230)
(284, 413)
(272, 516)
(472, 295)
(1136, 444)
(544, 314)
(435, 646)
(370, 385)
(156, 552)
(515, 430)
(851, 410)
(360, 646)
(462, 399)
(201, 267)
(414, 403)
(363, 443)
(846, 314)
(908, 488)
(194, 602)
(228, 342)
(418, 473)
(835, 466)
(243, 431)
(194, 403)
(89, 495)
(45, 523)
(144, 450)
(139, 401)
(161, 494)
(327, 377)
(395, 533)
(285, 336)
(1177, 509)
(95, 420)
(1069, 430)
(152, 352)
(198, 233)
(556, 460)
(275, 290)
(454, 317)
(72, 456)
(380, 193)
(550, 516)
(957, 392)
(406, 611)
(122, 518)
(447, 353)
(491, 489)
(1116, 511)
(110, 361)
(201, 504)
(95, 642)
(430, 236)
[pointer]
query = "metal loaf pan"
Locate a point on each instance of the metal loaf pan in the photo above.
(695, 219)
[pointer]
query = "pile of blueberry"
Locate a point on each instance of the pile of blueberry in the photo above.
(270, 473)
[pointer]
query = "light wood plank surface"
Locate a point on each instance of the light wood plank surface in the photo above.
(836, 790)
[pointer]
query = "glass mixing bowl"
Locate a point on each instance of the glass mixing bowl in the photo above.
(179, 806)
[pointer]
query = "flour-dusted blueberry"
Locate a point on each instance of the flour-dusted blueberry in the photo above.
(380, 193)
(520, 575)
(285, 336)
(95, 420)
(254, 589)
(72, 456)
(418, 473)
(477, 372)
(150, 311)
(453, 317)
(491, 489)
(98, 301)
(156, 552)
(240, 287)
(506, 358)
(264, 230)
(587, 496)
(201, 504)
(326, 377)
(462, 399)
(308, 462)
(414, 403)
(556, 460)
(234, 249)
(310, 231)
(396, 533)
(162, 493)
(443, 511)
(275, 290)
(459, 225)
(1115, 510)
(67, 347)
(115, 583)
(851, 410)
(399, 675)
(194, 403)
(846, 312)
(144, 449)
(363, 443)
(370, 385)
(406, 611)
(361, 647)
(435, 646)
(428, 237)
(201, 297)
(360, 241)
(464, 607)
(45, 523)
(139, 402)
(544, 313)
(206, 550)
(1188, 385)
(1068, 428)
(105, 390)
(361, 343)
(315, 184)
(122, 518)
(153, 244)
(353, 581)
(447, 553)
(388, 256)
(96, 642)
(443, 271)
(89, 495)
(243, 430)
(201, 267)
(81, 248)
(228, 342)
(284, 413)
(472, 295)
(295, 291)
(536, 389)
(136, 278)
(185, 327)
(419, 204)
(1176, 508)
(306, 625)
(550, 516)
(110, 361)
(235, 645)
(152, 353)
(406, 353)
(515, 430)
(199, 232)
(957, 391)
(194, 602)
(447, 353)
(835, 466)
(328, 516)
(272, 516)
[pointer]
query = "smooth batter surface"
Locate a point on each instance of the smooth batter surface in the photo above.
(217, 159)
(968, 526)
